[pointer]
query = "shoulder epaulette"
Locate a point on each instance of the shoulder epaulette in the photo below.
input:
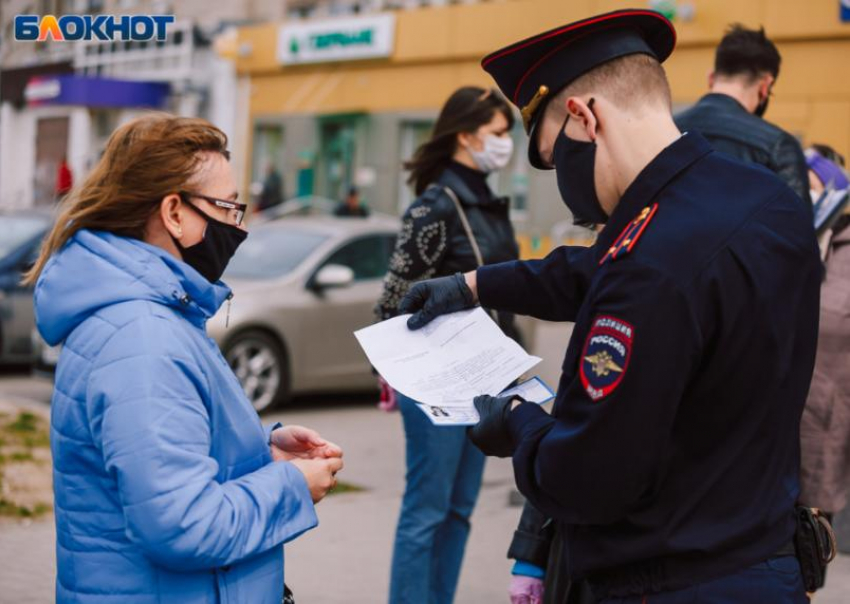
(624, 244)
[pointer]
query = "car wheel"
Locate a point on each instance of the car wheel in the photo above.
(260, 364)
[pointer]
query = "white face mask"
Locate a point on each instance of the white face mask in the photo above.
(495, 155)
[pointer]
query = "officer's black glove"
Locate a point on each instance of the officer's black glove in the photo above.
(429, 299)
(491, 434)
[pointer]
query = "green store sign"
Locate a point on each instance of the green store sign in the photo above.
(361, 38)
(335, 39)
(343, 39)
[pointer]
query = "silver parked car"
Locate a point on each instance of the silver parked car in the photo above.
(20, 237)
(302, 286)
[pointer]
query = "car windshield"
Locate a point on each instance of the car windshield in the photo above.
(272, 251)
(16, 230)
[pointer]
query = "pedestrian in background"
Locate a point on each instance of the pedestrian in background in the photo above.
(271, 194)
(457, 223)
(64, 178)
(825, 427)
(351, 206)
(540, 571)
(746, 66)
(826, 170)
(167, 488)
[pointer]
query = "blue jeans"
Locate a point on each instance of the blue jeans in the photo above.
(444, 471)
(774, 581)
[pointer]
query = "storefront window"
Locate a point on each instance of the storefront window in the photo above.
(268, 187)
(517, 173)
(51, 148)
(268, 149)
(513, 180)
(413, 134)
(104, 122)
(337, 155)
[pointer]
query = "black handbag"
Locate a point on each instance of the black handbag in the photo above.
(815, 545)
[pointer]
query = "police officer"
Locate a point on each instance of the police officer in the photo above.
(671, 456)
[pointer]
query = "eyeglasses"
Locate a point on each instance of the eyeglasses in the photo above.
(235, 210)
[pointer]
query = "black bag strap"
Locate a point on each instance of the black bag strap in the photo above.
(466, 227)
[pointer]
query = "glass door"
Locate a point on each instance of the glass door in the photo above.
(413, 134)
(337, 155)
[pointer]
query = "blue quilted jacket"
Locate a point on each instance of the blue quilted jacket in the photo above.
(165, 490)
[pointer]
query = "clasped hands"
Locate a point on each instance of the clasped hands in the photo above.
(318, 459)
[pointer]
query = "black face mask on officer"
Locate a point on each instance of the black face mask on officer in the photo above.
(212, 253)
(574, 162)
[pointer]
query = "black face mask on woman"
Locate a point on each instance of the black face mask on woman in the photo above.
(212, 253)
(574, 163)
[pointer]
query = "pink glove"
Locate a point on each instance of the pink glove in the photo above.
(388, 400)
(526, 590)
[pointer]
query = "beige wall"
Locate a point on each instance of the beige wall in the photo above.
(438, 49)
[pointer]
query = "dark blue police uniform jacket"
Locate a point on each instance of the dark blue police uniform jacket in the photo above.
(672, 452)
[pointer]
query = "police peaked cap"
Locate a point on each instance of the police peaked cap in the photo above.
(532, 71)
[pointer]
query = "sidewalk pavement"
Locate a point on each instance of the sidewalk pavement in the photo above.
(347, 559)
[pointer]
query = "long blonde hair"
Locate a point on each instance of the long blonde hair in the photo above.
(145, 160)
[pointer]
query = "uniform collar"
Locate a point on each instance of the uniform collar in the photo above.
(674, 159)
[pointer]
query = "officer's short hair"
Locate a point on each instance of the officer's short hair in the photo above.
(628, 82)
(747, 52)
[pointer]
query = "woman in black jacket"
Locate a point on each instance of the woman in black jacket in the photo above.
(455, 224)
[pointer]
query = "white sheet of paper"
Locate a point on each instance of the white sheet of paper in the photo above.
(534, 390)
(448, 362)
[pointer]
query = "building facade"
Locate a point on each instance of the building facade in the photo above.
(339, 93)
(343, 113)
(60, 101)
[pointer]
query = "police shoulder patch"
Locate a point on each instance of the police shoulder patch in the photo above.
(625, 243)
(605, 356)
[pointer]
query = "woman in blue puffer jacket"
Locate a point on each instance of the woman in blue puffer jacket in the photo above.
(167, 487)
